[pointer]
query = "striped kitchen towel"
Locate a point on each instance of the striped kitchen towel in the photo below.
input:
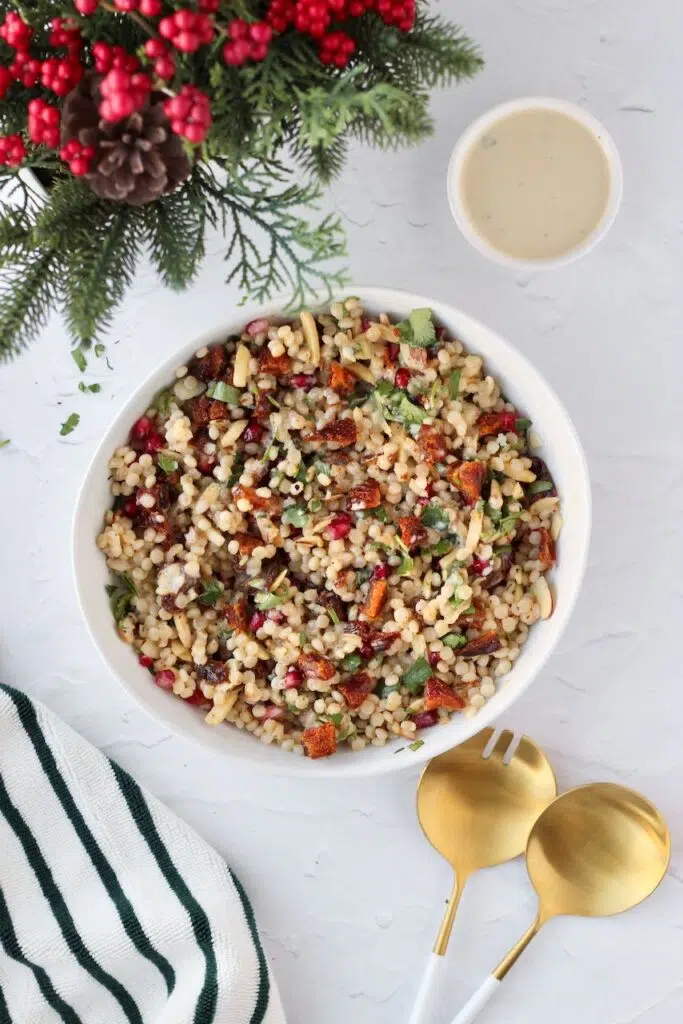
(112, 911)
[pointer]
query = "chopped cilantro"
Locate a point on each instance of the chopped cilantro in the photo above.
(211, 591)
(321, 468)
(350, 662)
(303, 641)
(336, 719)
(363, 575)
(89, 388)
(509, 523)
(379, 513)
(383, 690)
(435, 517)
(100, 350)
(265, 601)
(384, 388)
(78, 356)
(223, 392)
(417, 675)
(3, 444)
(418, 329)
(69, 424)
(237, 468)
(358, 397)
(333, 615)
(406, 566)
(295, 515)
(454, 384)
(443, 546)
(167, 464)
(121, 593)
(539, 486)
(522, 424)
(314, 505)
(301, 473)
(454, 640)
(162, 402)
(416, 744)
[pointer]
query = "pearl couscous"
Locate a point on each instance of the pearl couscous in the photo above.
(331, 531)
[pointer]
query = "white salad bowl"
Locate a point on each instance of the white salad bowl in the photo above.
(561, 449)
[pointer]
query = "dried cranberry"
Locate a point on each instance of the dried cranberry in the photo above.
(441, 334)
(293, 678)
(141, 428)
(198, 699)
(255, 327)
(366, 652)
(340, 526)
(165, 679)
(155, 442)
(206, 463)
(303, 381)
(392, 350)
(381, 571)
(429, 490)
(433, 658)
(146, 661)
(478, 566)
(130, 507)
(402, 378)
(253, 433)
(425, 719)
(256, 621)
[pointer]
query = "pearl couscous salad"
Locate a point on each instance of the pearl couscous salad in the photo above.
(331, 531)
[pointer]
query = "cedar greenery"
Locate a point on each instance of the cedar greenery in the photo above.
(281, 129)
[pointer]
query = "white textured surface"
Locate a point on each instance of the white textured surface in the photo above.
(346, 891)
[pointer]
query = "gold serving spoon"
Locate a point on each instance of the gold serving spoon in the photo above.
(595, 851)
(478, 811)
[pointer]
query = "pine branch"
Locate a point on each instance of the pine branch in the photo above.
(28, 294)
(174, 230)
(322, 162)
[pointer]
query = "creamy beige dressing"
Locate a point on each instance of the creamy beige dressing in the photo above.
(535, 184)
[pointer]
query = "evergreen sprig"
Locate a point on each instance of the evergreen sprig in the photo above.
(281, 129)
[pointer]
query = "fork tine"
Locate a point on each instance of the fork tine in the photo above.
(490, 743)
(513, 748)
(502, 743)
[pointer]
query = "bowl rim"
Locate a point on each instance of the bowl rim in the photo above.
(475, 128)
(354, 765)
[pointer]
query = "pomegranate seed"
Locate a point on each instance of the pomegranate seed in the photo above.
(303, 381)
(130, 508)
(197, 698)
(293, 678)
(165, 679)
(441, 334)
(381, 571)
(273, 711)
(141, 428)
(155, 442)
(255, 327)
(425, 719)
(340, 526)
(422, 501)
(392, 352)
(146, 661)
(402, 378)
(277, 617)
(433, 658)
(478, 566)
(429, 490)
(256, 621)
(253, 433)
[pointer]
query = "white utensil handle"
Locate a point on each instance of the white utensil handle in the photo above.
(425, 1001)
(478, 1001)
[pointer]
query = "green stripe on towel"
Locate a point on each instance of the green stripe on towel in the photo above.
(4, 1012)
(10, 944)
(124, 907)
(263, 994)
(58, 905)
(205, 1009)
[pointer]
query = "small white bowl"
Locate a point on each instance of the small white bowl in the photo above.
(561, 449)
(476, 129)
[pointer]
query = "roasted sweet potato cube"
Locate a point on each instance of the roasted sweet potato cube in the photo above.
(314, 666)
(212, 366)
(202, 410)
(411, 530)
(496, 423)
(487, 643)
(277, 365)
(272, 505)
(342, 380)
(320, 741)
(377, 595)
(546, 549)
(356, 688)
(262, 405)
(365, 495)
(433, 444)
(237, 616)
(468, 478)
(343, 432)
(438, 694)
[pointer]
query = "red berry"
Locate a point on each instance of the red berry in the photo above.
(253, 433)
(256, 621)
(126, 6)
(155, 48)
(260, 32)
(303, 381)
(164, 68)
(340, 526)
(6, 79)
(189, 113)
(155, 442)
(165, 679)
(402, 378)
(146, 661)
(381, 571)
(86, 7)
(209, 6)
(433, 658)
(238, 29)
(16, 32)
(478, 566)
(141, 428)
(425, 719)
(293, 678)
(12, 150)
(150, 8)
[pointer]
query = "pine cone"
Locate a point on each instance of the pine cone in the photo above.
(137, 159)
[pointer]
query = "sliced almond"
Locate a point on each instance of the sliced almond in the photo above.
(544, 597)
(556, 524)
(363, 372)
(516, 470)
(278, 580)
(234, 431)
(474, 530)
(448, 559)
(241, 372)
(183, 629)
(544, 505)
(310, 329)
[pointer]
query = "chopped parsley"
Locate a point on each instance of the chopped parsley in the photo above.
(406, 566)
(417, 675)
(314, 505)
(121, 593)
(69, 424)
(211, 591)
(92, 389)
(333, 615)
(454, 384)
(162, 402)
(301, 473)
(3, 444)
(303, 641)
(265, 601)
(418, 330)
(443, 546)
(539, 486)
(223, 392)
(509, 523)
(336, 719)
(522, 424)
(435, 517)
(350, 662)
(363, 575)
(100, 350)
(383, 690)
(454, 640)
(167, 464)
(379, 513)
(295, 515)
(78, 356)
(394, 404)
(321, 468)
(416, 744)
(358, 397)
